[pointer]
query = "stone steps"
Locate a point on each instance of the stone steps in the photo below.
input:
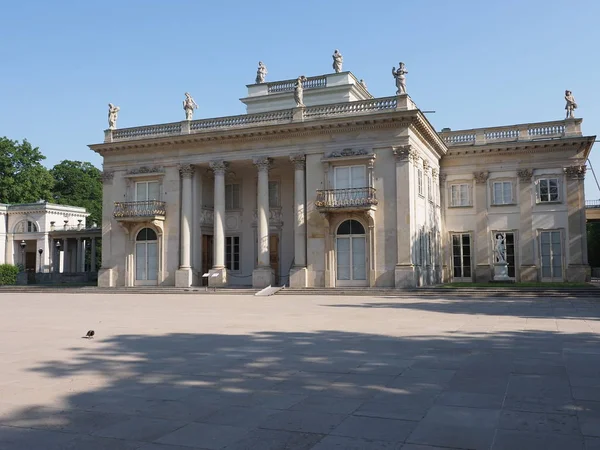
(199, 290)
(447, 292)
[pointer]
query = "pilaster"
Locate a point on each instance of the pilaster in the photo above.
(483, 272)
(528, 271)
(577, 269)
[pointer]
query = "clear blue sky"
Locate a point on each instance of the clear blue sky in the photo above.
(477, 63)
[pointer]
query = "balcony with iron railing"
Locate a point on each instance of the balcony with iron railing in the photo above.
(140, 211)
(351, 199)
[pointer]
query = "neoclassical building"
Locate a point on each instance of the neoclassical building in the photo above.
(331, 187)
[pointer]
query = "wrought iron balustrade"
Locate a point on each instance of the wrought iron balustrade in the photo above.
(346, 198)
(146, 208)
(592, 203)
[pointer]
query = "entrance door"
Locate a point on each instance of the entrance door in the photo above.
(461, 257)
(274, 257)
(207, 255)
(551, 251)
(351, 256)
(146, 258)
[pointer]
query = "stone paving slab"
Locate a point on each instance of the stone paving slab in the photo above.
(176, 372)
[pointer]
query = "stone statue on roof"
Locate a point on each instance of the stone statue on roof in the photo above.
(571, 105)
(338, 60)
(113, 114)
(261, 73)
(189, 105)
(299, 91)
(399, 75)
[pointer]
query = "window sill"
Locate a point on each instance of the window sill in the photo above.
(460, 206)
(553, 202)
(503, 204)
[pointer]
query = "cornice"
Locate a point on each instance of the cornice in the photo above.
(528, 147)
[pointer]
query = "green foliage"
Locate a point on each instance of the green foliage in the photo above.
(23, 179)
(79, 184)
(8, 274)
(593, 238)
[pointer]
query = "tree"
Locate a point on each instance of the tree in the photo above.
(593, 238)
(23, 179)
(79, 184)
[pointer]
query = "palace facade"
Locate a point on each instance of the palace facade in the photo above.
(342, 189)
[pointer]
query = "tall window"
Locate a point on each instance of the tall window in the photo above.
(459, 195)
(461, 256)
(429, 193)
(420, 182)
(548, 190)
(232, 196)
(551, 253)
(232, 253)
(502, 193)
(146, 190)
(274, 201)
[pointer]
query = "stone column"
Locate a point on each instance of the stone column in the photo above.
(405, 271)
(196, 232)
(483, 271)
(183, 276)
(81, 256)
(528, 272)
(298, 273)
(93, 256)
(77, 254)
(262, 276)
(218, 274)
(66, 259)
(578, 269)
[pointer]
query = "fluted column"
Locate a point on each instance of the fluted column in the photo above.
(263, 274)
(218, 274)
(183, 276)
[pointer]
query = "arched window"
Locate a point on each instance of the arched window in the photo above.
(146, 234)
(351, 227)
(26, 226)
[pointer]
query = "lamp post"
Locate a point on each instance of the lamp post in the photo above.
(23, 244)
(40, 251)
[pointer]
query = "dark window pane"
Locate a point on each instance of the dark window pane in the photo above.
(146, 234)
(465, 239)
(344, 228)
(467, 270)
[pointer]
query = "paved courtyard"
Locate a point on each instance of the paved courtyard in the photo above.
(176, 372)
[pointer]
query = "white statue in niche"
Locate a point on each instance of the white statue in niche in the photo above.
(500, 248)
(113, 114)
(189, 105)
(400, 77)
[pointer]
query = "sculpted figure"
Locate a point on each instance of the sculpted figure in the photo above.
(113, 113)
(299, 91)
(500, 249)
(338, 59)
(189, 105)
(362, 83)
(400, 78)
(261, 73)
(571, 105)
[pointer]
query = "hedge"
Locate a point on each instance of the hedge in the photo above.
(8, 274)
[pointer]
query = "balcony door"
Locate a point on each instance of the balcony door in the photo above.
(146, 258)
(146, 190)
(351, 256)
(347, 178)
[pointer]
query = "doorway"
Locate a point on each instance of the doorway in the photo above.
(207, 255)
(274, 257)
(146, 258)
(351, 255)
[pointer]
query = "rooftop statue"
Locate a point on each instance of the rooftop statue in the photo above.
(299, 91)
(113, 113)
(261, 73)
(400, 78)
(362, 83)
(189, 105)
(338, 59)
(571, 105)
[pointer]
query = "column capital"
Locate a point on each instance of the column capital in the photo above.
(218, 167)
(406, 153)
(481, 177)
(107, 176)
(525, 175)
(186, 170)
(299, 161)
(434, 172)
(262, 163)
(443, 177)
(575, 172)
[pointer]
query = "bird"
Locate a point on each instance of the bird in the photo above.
(90, 334)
